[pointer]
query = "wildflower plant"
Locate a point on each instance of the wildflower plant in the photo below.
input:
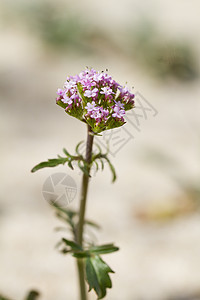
(96, 99)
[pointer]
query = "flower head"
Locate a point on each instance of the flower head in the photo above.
(95, 98)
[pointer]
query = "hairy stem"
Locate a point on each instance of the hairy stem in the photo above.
(80, 227)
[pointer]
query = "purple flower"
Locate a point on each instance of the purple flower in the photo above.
(119, 104)
(70, 84)
(106, 90)
(96, 114)
(125, 92)
(67, 100)
(60, 92)
(105, 114)
(118, 112)
(90, 106)
(91, 93)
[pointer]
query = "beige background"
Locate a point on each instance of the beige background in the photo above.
(151, 212)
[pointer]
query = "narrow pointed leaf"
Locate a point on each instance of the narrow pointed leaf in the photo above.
(66, 152)
(93, 224)
(97, 166)
(111, 168)
(49, 164)
(70, 164)
(72, 244)
(77, 148)
(103, 249)
(83, 168)
(102, 164)
(81, 254)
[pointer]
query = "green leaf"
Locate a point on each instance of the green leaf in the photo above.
(74, 246)
(83, 168)
(3, 298)
(113, 171)
(70, 164)
(77, 148)
(50, 163)
(97, 166)
(32, 295)
(99, 148)
(66, 152)
(91, 223)
(111, 168)
(102, 164)
(57, 161)
(81, 254)
(103, 249)
(95, 250)
(61, 104)
(66, 215)
(64, 218)
(97, 275)
(70, 213)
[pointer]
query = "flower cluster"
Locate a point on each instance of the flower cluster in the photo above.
(95, 98)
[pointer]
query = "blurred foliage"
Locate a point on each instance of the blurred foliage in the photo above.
(61, 27)
(32, 295)
(3, 298)
(57, 26)
(195, 295)
(162, 56)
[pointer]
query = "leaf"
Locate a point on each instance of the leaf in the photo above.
(72, 244)
(81, 254)
(3, 298)
(50, 163)
(103, 249)
(97, 166)
(66, 152)
(67, 215)
(99, 148)
(32, 295)
(60, 228)
(70, 164)
(102, 164)
(57, 161)
(93, 224)
(95, 250)
(113, 171)
(63, 218)
(61, 104)
(70, 213)
(83, 168)
(111, 168)
(97, 275)
(77, 148)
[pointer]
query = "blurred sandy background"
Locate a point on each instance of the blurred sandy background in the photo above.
(152, 211)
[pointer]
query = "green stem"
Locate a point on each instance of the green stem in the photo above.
(80, 227)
